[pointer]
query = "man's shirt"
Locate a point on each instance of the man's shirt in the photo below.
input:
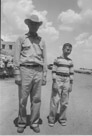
(63, 67)
(30, 51)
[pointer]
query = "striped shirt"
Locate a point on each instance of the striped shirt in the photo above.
(30, 51)
(63, 67)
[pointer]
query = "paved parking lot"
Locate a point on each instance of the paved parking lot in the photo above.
(79, 110)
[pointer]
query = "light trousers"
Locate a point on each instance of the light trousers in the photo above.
(59, 99)
(30, 86)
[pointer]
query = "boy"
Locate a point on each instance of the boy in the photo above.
(62, 76)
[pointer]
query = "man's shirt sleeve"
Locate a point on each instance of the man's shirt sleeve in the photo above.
(17, 51)
(44, 58)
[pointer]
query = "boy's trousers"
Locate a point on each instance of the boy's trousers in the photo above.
(31, 85)
(59, 99)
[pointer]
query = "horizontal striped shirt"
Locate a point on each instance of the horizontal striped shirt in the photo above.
(63, 67)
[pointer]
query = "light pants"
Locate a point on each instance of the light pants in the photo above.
(31, 85)
(59, 99)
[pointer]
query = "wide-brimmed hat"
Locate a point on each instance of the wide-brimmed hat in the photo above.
(33, 18)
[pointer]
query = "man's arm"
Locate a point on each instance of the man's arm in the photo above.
(44, 60)
(17, 52)
(44, 74)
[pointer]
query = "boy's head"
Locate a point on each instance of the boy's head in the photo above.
(67, 48)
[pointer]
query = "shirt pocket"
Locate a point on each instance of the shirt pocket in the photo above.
(37, 49)
(26, 45)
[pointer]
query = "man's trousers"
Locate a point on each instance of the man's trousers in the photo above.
(31, 85)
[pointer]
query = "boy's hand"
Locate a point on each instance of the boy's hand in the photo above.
(70, 88)
(55, 86)
(44, 81)
(17, 79)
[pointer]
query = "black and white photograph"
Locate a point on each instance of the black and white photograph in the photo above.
(46, 67)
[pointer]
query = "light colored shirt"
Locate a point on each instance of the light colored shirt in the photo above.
(30, 51)
(63, 67)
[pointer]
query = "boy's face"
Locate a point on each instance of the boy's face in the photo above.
(67, 50)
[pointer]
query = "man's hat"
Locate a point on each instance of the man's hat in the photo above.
(33, 19)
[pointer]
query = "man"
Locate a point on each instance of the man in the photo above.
(30, 73)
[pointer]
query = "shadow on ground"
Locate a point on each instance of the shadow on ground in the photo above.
(28, 121)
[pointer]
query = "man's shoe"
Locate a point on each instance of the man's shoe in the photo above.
(35, 129)
(20, 129)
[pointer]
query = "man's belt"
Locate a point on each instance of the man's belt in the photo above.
(31, 66)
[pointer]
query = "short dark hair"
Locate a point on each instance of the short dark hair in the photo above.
(67, 44)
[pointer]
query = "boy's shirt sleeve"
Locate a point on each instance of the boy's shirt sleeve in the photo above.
(17, 52)
(54, 69)
(71, 70)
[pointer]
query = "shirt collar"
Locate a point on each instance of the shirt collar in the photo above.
(62, 56)
(33, 35)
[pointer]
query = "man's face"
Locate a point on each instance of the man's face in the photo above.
(67, 50)
(33, 27)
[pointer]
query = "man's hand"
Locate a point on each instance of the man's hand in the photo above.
(70, 88)
(44, 80)
(17, 79)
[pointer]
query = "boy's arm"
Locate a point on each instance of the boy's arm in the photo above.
(54, 70)
(71, 70)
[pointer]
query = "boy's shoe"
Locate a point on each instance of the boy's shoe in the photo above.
(35, 129)
(51, 124)
(20, 129)
(63, 122)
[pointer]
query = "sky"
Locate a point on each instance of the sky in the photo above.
(63, 21)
